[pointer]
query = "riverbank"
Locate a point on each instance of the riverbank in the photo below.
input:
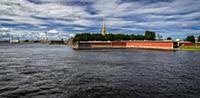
(190, 48)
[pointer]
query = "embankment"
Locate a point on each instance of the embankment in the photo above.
(165, 45)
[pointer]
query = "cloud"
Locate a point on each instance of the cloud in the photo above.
(78, 28)
(53, 31)
(162, 16)
(4, 30)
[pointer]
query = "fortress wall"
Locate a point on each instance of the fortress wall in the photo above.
(150, 44)
(188, 44)
(100, 45)
(118, 44)
(129, 44)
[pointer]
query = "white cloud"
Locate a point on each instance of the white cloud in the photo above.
(166, 16)
(53, 31)
(4, 29)
(78, 28)
(21, 10)
(71, 35)
(118, 22)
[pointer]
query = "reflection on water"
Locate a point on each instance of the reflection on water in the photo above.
(51, 71)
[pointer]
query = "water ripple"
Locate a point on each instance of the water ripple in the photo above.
(52, 71)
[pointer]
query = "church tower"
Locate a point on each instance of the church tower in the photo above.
(103, 31)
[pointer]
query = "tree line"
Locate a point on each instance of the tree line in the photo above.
(149, 35)
(191, 38)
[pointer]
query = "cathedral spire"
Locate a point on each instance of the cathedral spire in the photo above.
(103, 31)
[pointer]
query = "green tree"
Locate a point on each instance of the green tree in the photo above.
(150, 35)
(190, 38)
(107, 37)
(199, 38)
(132, 37)
(140, 37)
(169, 38)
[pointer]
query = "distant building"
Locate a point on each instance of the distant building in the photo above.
(45, 40)
(46, 37)
(196, 40)
(178, 40)
(14, 41)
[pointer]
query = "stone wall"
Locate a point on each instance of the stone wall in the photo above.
(128, 44)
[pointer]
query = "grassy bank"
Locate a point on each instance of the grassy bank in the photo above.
(194, 48)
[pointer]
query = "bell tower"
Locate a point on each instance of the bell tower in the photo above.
(103, 30)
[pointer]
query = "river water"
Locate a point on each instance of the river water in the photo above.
(56, 71)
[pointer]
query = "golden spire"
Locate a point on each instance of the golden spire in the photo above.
(103, 31)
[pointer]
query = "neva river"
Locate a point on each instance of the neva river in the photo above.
(53, 71)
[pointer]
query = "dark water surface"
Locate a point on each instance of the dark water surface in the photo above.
(52, 71)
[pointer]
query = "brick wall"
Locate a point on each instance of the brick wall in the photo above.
(100, 45)
(118, 44)
(150, 44)
(188, 44)
(129, 44)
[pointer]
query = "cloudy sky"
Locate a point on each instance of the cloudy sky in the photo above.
(63, 18)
